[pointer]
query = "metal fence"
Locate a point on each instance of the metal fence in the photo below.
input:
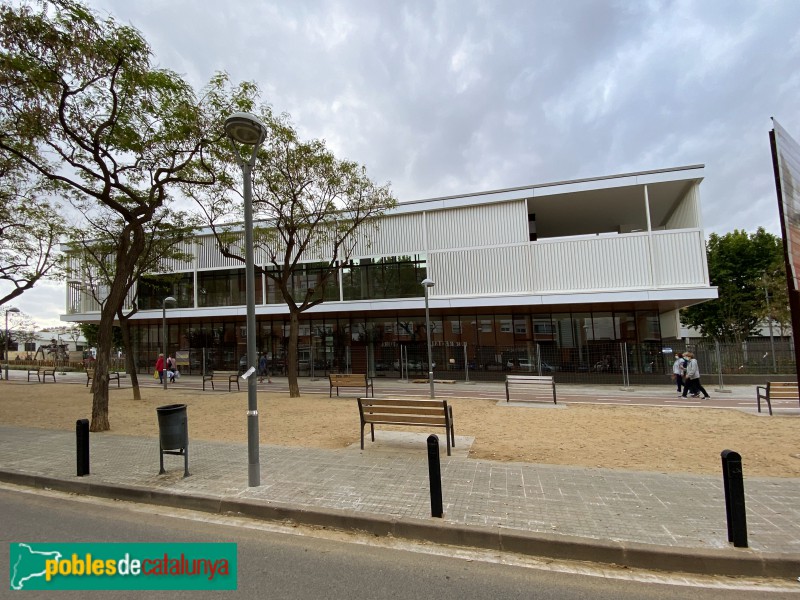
(602, 362)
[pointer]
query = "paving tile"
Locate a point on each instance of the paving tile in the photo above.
(656, 508)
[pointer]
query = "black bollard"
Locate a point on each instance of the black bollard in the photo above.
(82, 446)
(435, 476)
(733, 481)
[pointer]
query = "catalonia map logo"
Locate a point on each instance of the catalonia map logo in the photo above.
(117, 566)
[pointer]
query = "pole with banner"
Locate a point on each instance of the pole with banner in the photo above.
(786, 165)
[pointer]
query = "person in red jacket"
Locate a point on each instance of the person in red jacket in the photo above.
(160, 368)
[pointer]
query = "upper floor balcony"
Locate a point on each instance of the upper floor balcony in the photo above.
(624, 238)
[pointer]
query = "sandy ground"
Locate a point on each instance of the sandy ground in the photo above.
(684, 440)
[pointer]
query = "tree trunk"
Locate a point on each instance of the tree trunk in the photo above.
(100, 385)
(291, 359)
(130, 363)
(126, 256)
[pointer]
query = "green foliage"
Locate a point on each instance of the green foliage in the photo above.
(83, 107)
(31, 227)
(308, 206)
(90, 333)
(740, 265)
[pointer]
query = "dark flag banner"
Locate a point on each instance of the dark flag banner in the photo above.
(786, 164)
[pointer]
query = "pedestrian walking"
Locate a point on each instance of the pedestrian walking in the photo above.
(263, 369)
(172, 368)
(678, 371)
(160, 368)
(693, 384)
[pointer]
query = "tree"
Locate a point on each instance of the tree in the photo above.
(91, 331)
(308, 205)
(30, 229)
(83, 107)
(21, 330)
(91, 262)
(737, 265)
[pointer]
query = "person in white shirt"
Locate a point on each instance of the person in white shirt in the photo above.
(678, 369)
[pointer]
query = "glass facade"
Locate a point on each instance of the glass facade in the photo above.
(361, 279)
(569, 345)
(385, 277)
(152, 290)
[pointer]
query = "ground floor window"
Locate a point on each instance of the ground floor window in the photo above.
(569, 344)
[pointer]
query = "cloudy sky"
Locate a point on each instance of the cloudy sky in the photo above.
(459, 96)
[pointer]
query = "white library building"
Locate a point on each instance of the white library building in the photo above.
(571, 278)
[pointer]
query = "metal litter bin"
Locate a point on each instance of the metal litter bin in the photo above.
(173, 434)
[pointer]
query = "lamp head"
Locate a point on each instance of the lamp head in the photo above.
(169, 299)
(428, 283)
(245, 128)
(13, 309)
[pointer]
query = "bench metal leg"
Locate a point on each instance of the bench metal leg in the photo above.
(362, 435)
(452, 427)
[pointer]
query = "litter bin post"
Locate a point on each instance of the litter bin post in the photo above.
(173, 434)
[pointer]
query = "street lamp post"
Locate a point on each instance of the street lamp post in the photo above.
(427, 284)
(164, 333)
(246, 129)
(13, 310)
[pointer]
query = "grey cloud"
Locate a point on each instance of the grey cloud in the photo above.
(447, 97)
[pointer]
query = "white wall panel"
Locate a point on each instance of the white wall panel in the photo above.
(209, 256)
(687, 213)
(679, 258)
(607, 263)
(484, 225)
(498, 270)
(604, 263)
(392, 235)
(173, 265)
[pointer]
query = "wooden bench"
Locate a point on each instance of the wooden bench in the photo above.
(42, 373)
(535, 382)
(233, 377)
(356, 380)
(112, 375)
(395, 411)
(776, 390)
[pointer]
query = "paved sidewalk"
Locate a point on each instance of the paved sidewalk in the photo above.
(653, 520)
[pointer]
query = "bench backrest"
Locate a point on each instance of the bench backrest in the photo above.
(348, 379)
(399, 411)
(782, 389)
(225, 373)
(542, 379)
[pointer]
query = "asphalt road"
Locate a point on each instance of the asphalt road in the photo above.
(276, 564)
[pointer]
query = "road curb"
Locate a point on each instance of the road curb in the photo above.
(717, 561)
